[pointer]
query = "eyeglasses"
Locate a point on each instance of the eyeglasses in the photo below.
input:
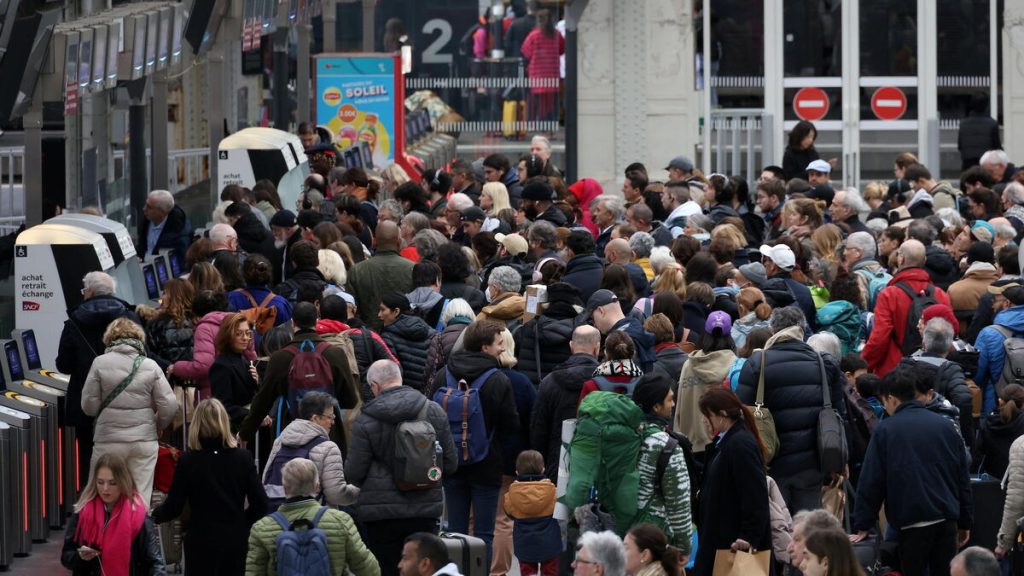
(243, 334)
(582, 561)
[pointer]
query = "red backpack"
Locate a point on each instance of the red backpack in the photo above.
(308, 372)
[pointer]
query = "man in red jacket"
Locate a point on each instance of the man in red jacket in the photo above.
(882, 351)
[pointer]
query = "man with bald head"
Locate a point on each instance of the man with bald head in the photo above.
(895, 333)
(383, 273)
(617, 251)
(559, 393)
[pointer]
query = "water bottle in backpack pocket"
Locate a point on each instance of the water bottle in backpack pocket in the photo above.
(461, 402)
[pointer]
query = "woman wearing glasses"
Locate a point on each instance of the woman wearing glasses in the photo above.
(233, 378)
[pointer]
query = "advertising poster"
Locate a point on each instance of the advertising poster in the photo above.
(355, 99)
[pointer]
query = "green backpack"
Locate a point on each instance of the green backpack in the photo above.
(603, 456)
(842, 319)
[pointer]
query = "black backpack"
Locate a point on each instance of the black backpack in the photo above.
(918, 302)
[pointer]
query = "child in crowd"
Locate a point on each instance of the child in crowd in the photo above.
(530, 501)
(867, 387)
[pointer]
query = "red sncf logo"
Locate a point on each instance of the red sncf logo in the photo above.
(29, 306)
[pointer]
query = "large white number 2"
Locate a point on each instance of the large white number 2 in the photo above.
(432, 54)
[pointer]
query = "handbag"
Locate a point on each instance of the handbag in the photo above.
(833, 498)
(166, 460)
(740, 563)
(832, 449)
(763, 418)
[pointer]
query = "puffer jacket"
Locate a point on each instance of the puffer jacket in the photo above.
(941, 267)
(945, 196)
(782, 522)
(996, 437)
(345, 548)
(441, 346)
(530, 501)
(370, 459)
(1013, 509)
(543, 343)
(507, 308)
(793, 393)
(326, 456)
(744, 326)
(368, 347)
(666, 505)
(81, 342)
(169, 341)
(141, 411)
(409, 338)
(700, 373)
(474, 296)
(556, 402)
(204, 353)
(966, 293)
(992, 355)
(947, 378)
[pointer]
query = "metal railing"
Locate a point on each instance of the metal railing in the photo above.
(739, 139)
(185, 167)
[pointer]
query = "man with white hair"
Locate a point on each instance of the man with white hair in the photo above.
(847, 206)
(345, 549)
(859, 257)
(607, 211)
(506, 304)
(540, 147)
(998, 165)
(453, 215)
(389, 514)
(224, 239)
(1013, 205)
(1005, 232)
(676, 198)
(81, 342)
(163, 225)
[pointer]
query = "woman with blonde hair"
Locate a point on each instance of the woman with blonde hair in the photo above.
(494, 199)
(670, 279)
(109, 532)
(131, 401)
(825, 240)
(874, 195)
(801, 216)
(215, 479)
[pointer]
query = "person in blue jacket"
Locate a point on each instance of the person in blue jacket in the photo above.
(1008, 305)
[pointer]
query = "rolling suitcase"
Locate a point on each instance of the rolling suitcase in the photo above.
(988, 499)
(170, 534)
(467, 552)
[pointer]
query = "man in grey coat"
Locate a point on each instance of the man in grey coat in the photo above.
(389, 514)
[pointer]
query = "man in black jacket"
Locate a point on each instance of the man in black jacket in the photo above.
(477, 485)
(81, 342)
(941, 267)
(253, 237)
(584, 268)
(793, 392)
(917, 466)
(560, 394)
(543, 342)
(407, 336)
(305, 277)
(164, 226)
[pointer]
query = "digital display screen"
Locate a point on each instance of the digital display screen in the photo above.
(99, 50)
(85, 64)
(14, 361)
(161, 270)
(176, 270)
(138, 46)
(364, 150)
(351, 159)
(112, 52)
(165, 36)
(152, 288)
(28, 338)
(176, 37)
(151, 38)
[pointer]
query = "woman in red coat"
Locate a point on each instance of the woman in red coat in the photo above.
(543, 48)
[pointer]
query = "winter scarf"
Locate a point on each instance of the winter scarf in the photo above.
(133, 343)
(618, 368)
(113, 540)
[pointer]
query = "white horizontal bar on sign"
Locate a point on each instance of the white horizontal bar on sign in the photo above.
(879, 81)
(827, 125)
(887, 125)
(813, 82)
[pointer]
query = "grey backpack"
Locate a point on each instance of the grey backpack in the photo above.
(1013, 358)
(418, 453)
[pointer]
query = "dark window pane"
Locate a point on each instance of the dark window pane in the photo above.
(963, 37)
(812, 38)
(737, 37)
(888, 37)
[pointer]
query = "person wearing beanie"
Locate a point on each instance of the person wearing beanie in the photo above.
(286, 231)
(407, 336)
(706, 368)
(663, 493)
(537, 203)
(966, 293)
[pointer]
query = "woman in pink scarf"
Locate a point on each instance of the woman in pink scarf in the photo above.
(585, 191)
(110, 534)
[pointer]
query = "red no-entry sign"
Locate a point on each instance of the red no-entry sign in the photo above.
(889, 103)
(810, 104)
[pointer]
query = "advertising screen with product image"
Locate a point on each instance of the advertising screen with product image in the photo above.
(160, 264)
(176, 264)
(14, 360)
(28, 337)
(152, 288)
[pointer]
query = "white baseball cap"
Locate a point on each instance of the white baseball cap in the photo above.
(780, 254)
(819, 166)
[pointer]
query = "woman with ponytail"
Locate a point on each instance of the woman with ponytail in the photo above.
(734, 497)
(648, 552)
(754, 313)
(999, 430)
(109, 532)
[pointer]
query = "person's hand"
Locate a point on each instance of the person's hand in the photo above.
(833, 161)
(962, 536)
(800, 231)
(859, 536)
(740, 544)
(267, 421)
(252, 372)
(241, 443)
(87, 554)
(170, 370)
(1001, 552)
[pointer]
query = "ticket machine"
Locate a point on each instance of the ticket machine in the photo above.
(39, 415)
(53, 451)
(254, 154)
(19, 476)
(49, 263)
(28, 353)
(127, 270)
(6, 536)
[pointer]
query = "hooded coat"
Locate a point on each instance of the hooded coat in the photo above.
(409, 338)
(996, 437)
(585, 191)
(941, 267)
(991, 354)
(507, 308)
(441, 346)
(700, 373)
(428, 304)
(326, 456)
(253, 236)
(556, 402)
(370, 458)
(966, 293)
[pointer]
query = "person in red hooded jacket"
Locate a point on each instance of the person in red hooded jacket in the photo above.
(883, 350)
(585, 191)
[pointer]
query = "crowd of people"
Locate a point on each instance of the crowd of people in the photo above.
(706, 323)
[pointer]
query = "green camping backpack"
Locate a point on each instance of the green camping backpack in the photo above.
(842, 319)
(603, 456)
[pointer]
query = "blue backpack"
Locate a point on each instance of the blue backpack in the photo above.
(274, 485)
(877, 282)
(302, 553)
(461, 402)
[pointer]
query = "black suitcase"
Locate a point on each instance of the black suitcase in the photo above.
(467, 552)
(988, 499)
